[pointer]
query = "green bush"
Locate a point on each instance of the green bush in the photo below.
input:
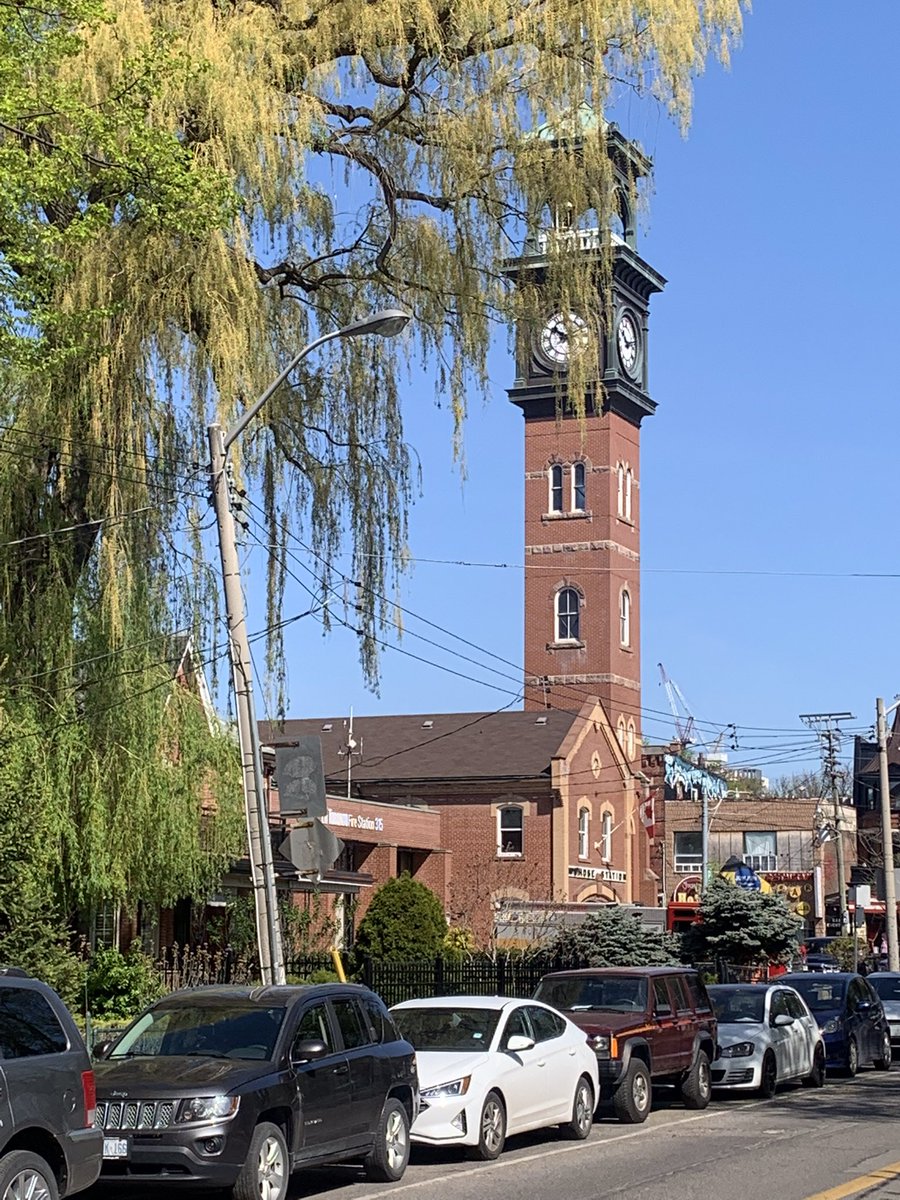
(742, 927)
(612, 937)
(404, 921)
(120, 985)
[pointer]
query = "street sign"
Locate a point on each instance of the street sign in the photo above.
(313, 848)
(301, 779)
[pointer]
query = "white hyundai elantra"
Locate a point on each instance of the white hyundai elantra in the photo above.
(490, 1066)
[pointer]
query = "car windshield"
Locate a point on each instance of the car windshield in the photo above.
(448, 1028)
(226, 1031)
(735, 1005)
(612, 993)
(887, 986)
(821, 995)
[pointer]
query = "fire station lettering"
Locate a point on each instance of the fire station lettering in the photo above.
(354, 821)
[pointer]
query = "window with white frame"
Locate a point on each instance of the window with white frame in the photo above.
(688, 851)
(567, 615)
(760, 851)
(630, 740)
(579, 495)
(629, 477)
(105, 926)
(606, 832)
(620, 732)
(584, 832)
(510, 831)
(625, 617)
(556, 488)
(620, 489)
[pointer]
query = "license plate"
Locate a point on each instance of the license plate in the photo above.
(115, 1148)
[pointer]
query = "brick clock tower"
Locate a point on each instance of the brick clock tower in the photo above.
(582, 475)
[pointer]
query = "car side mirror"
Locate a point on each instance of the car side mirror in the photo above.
(101, 1049)
(308, 1050)
(518, 1042)
(783, 1019)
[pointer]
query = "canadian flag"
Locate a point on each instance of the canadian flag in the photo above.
(648, 813)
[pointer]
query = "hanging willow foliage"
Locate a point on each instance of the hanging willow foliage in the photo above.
(188, 192)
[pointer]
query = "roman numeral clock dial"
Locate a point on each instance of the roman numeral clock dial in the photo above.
(627, 343)
(562, 336)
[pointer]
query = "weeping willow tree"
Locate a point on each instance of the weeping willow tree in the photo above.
(188, 192)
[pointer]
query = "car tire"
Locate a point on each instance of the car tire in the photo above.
(768, 1077)
(25, 1174)
(851, 1063)
(633, 1096)
(389, 1156)
(883, 1063)
(266, 1170)
(816, 1077)
(582, 1120)
(696, 1087)
(491, 1129)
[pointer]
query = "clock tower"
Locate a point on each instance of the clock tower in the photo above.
(582, 456)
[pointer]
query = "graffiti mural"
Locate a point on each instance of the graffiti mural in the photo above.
(686, 781)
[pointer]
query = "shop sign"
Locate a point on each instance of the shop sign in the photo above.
(354, 821)
(603, 874)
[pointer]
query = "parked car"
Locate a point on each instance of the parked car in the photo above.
(766, 1036)
(887, 987)
(646, 1025)
(490, 1066)
(48, 1145)
(234, 1087)
(822, 964)
(850, 1016)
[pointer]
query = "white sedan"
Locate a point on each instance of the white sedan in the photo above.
(490, 1066)
(767, 1035)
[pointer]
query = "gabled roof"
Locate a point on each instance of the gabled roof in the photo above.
(433, 746)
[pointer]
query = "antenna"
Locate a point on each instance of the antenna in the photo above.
(349, 748)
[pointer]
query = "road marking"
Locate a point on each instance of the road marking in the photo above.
(577, 1147)
(859, 1184)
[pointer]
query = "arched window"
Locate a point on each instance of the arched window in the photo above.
(606, 832)
(556, 488)
(578, 488)
(620, 490)
(625, 617)
(630, 740)
(567, 623)
(584, 832)
(629, 478)
(510, 832)
(620, 732)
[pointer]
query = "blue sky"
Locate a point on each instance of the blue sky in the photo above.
(768, 478)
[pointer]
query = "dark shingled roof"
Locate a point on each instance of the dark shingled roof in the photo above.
(433, 746)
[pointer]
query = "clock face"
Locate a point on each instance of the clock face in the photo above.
(627, 342)
(563, 335)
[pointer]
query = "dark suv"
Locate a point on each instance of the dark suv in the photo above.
(48, 1146)
(647, 1025)
(236, 1088)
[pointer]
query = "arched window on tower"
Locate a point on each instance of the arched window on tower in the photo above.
(620, 489)
(567, 615)
(578, 488)
(629, 479)
(630, 740)
(625, 617)
(606, 832)
(584, 832)
(620, 732)
(556, 488)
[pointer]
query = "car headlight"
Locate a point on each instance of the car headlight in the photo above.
(738, 1050)
(208, 1108)
(441, 1091)
(599, 1043)
(832, 1026)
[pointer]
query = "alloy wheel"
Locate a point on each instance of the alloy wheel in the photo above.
(272, 1172)
(396, 1141)
(492, 1126)
(27, 1185)
(640, 1091)
(584, 1106)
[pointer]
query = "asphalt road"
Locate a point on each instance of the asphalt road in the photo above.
(802, 1143)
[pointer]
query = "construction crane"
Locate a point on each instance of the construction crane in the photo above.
(684, 718)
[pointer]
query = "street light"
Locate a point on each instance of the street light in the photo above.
(387, 323)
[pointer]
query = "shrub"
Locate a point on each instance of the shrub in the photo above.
(742, 927)
(120, 985)
(612, 937)
(404, 921)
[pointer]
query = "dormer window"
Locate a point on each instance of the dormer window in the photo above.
(556, 488)
(567, 615)
(578, 488)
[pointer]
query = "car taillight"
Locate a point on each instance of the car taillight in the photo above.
(89, 1091)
